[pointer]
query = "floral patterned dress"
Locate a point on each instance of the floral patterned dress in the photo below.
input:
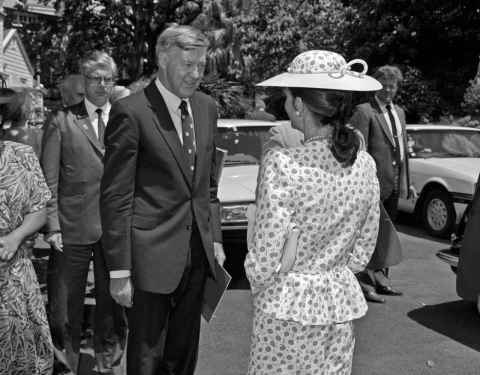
(25, 343)
(303, 318)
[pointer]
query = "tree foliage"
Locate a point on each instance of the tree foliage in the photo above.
(125, 28)
(273, 32)
(440, 38)
(435, 43)
(419, 97)
(471, 99)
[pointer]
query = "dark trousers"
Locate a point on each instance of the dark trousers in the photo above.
(164, 329)
(67, 278)
(391, 204)
(370, 279)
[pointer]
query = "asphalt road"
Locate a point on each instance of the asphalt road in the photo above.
(427, 331)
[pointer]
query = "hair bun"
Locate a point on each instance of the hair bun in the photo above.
(345, 144)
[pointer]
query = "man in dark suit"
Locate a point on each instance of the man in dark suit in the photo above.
(382, 125)
(72, 162)
(159, 207)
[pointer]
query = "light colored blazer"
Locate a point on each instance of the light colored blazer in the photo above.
(72, 163)
(370, 121)
(337, 212)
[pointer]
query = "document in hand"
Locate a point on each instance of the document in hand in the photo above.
(214, 291)
(220, 156)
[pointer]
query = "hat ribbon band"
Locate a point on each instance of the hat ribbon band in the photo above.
(346, 69)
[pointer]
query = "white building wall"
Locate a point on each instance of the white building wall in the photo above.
(15, 67)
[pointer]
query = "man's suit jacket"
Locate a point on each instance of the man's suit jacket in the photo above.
(369, 119)
(148, 201)
(72, 163)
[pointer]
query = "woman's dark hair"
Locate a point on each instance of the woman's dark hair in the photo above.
(334, 108)
(14, 110)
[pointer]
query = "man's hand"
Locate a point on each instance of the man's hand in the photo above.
(412, 192)
(121, 290)
(55, 240)
(219, 253)
(8, 247)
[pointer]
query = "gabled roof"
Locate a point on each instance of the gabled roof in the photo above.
(11, 35)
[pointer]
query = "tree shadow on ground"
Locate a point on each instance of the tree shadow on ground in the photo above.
(458, 320)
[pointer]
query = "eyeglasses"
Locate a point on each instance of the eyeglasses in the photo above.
(107, 81)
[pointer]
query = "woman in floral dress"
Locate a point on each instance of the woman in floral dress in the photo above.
(25, 342)
(326, 192)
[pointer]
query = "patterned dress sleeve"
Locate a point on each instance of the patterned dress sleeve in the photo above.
(272, 218)
(39, 193)
(367, 239)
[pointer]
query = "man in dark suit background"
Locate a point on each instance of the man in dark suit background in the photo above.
(382, 125)
(72, 162)
(159, 207)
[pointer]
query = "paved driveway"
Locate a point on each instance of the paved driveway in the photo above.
(427, 331)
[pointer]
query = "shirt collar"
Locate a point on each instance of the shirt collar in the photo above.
(383, 106)
(171, 100)
(91, 108)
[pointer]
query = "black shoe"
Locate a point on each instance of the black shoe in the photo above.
(387, 291)
(371, 296)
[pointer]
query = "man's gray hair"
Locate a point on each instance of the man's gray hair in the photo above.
(97, 60)
(388, 72)
(181, 36)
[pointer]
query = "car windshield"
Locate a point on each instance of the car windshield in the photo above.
(244, 144)
(444, 143)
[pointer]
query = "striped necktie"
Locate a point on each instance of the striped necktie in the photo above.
(188, 135)
(101, 126)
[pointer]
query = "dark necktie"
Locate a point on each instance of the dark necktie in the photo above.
(101, 125)
(394, 133)
(188, 136)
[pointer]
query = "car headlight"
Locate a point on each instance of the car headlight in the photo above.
(234, 214)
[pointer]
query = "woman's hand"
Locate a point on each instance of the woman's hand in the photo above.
(289, 251)
(8, 246)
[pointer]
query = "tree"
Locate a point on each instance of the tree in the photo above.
(440, 38)
(224, 64)
(471, 98)
(127, 29)
(273, 32)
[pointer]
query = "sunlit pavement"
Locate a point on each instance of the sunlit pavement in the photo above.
(426, 331)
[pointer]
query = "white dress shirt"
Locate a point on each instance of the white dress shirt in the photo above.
(93, 115)
(397, 123)
(173, 105)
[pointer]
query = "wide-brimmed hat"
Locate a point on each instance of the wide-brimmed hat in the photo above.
(319, 69)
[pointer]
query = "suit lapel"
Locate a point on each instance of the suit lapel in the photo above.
(82, 121)
(383, 123)
(201, 133)
(166, 128)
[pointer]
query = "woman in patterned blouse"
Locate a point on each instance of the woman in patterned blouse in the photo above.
(25, 343)
(327, 191)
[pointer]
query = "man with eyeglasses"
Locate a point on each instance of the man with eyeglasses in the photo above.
(72, 156)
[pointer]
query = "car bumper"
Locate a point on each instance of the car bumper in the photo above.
(234, 226)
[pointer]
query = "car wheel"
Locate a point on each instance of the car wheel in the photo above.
(438, 213)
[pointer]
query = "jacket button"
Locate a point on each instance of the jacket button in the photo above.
(394, 162)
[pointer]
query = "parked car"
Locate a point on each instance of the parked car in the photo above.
(243, 139)
(444, 166)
